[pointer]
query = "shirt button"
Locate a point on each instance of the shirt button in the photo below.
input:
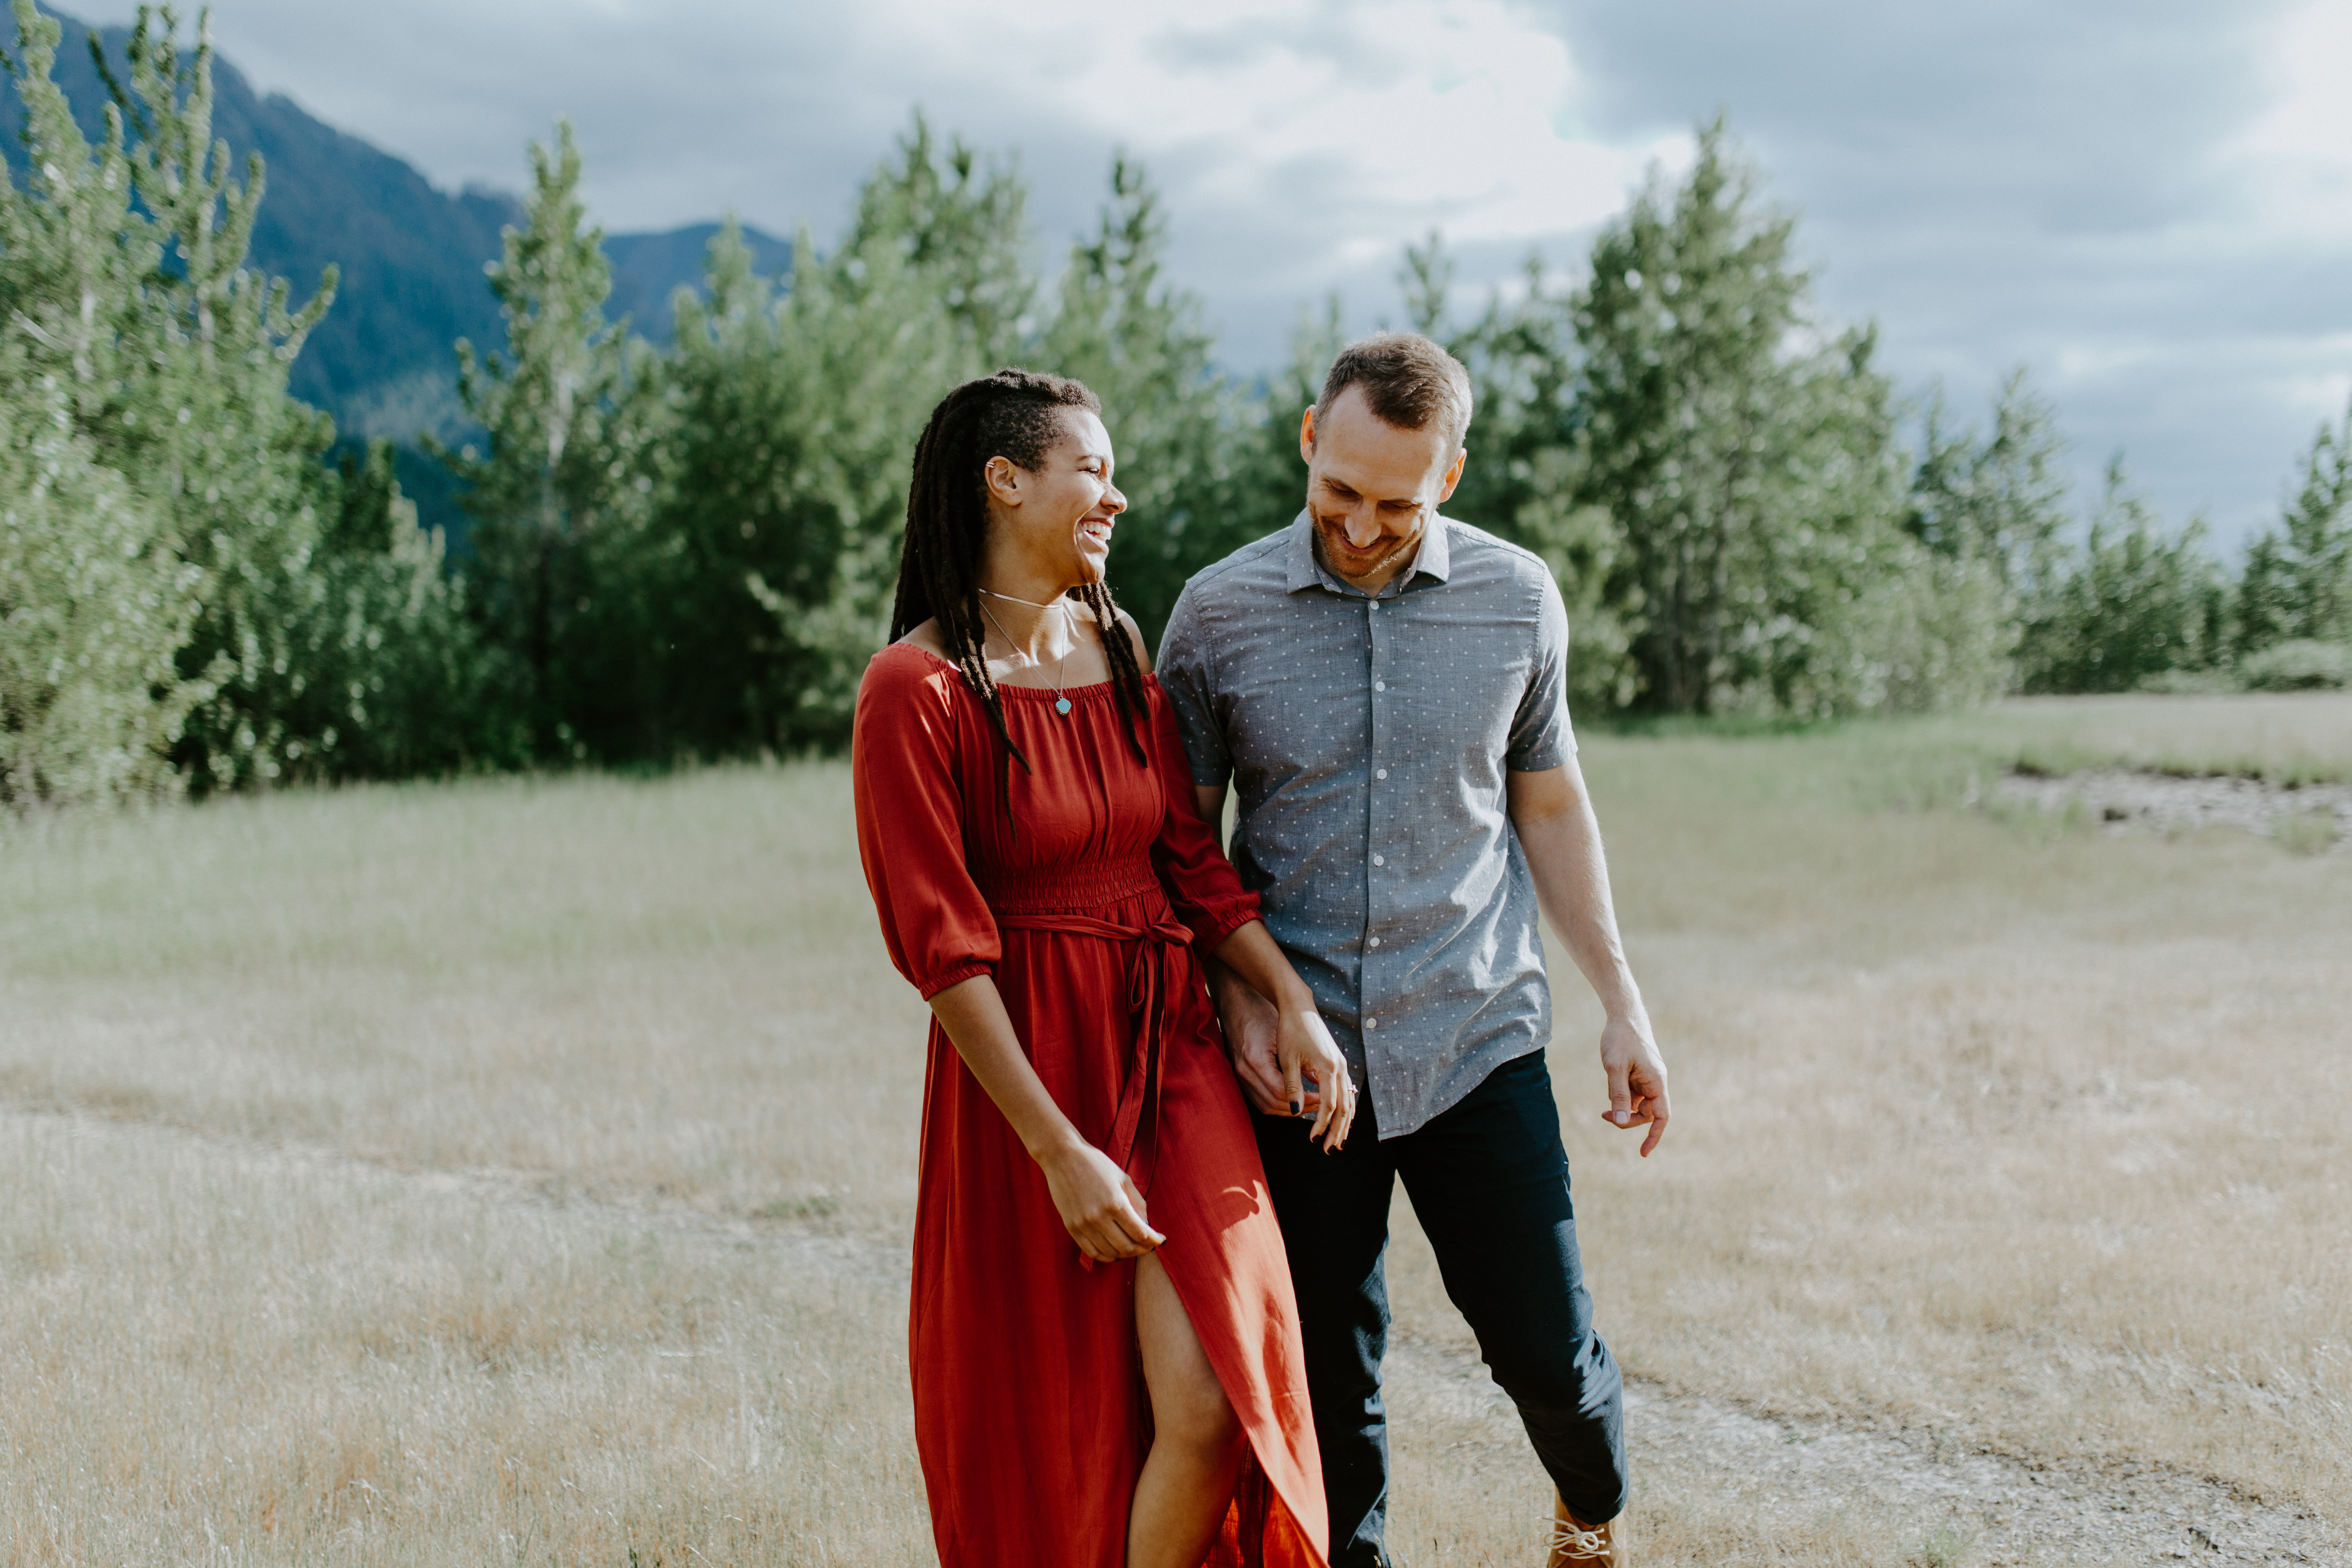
(1378, 860)
(1372, 1023)
(1379, 686)
(1375, 941)
(1380, 773)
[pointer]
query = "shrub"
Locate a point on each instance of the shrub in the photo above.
(2299, 665)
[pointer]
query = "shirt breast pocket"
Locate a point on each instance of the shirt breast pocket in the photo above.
(1466, 695)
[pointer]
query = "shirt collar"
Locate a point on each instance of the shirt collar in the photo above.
(1434, 560)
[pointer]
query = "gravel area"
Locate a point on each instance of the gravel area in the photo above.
(2310, 818)
(1990, 1510)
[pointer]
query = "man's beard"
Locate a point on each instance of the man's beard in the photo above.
(1404, 548)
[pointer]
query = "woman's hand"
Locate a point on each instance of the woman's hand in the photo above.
(1302, 1042)
(1304, 1046)
(1099, 1206)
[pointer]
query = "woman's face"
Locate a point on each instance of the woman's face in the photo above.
(1057, 521)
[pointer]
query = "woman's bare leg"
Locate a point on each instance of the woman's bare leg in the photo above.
(1197, 1446)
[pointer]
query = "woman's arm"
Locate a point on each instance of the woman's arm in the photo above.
(1099, 1206)
(1303, 1040)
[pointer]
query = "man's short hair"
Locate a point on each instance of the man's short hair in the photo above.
(1408, 380)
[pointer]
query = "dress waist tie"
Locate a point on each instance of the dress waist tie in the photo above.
(1155, 972)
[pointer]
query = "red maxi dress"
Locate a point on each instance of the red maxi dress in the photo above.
(1089, 905)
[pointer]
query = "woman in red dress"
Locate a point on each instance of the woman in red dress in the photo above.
(1105, 1348)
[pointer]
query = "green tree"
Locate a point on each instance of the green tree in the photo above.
(1524, 478)
(573, 416)
(2003, 500)
(397, 678)
(127, 273)
(1264, 478)
(2297, 583)
(1746, 454)
(942, 214)
(1138, 342)
(794, 416)
(2133, 603)
(95, 604)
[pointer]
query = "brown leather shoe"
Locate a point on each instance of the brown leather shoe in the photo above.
(1572, 1541)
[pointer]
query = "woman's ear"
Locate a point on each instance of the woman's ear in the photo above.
(1003, 477)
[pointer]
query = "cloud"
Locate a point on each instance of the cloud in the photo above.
(2148, 203)
(2142, 201)
(1298, 145)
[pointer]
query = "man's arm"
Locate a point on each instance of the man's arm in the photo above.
(1553, 816)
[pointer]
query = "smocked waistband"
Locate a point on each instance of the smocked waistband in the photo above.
(1085, 886)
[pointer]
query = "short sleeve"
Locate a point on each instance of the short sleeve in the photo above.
(902, 748)
(1187, 676)
(1541, 737)
(1203, 886)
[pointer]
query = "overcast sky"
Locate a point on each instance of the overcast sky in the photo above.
(2146, 203)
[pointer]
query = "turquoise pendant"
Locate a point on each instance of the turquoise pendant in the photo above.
(1061, 705)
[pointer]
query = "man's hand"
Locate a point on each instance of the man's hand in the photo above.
(1637, 1077)
(1254, 1041)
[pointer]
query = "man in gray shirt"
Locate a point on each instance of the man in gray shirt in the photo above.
(1385, 686)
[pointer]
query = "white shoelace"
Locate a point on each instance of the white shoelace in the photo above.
(1579, 1545)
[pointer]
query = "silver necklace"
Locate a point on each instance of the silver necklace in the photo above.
(1061, 703)
(1056, 605)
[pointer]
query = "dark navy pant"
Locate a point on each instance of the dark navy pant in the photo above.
(1488, 1180)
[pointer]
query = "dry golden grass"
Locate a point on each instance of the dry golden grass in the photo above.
(214, 1354)
(2300, 737)
(2027, 1134)
(670, 988)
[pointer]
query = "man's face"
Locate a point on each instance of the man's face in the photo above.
(1371, 487)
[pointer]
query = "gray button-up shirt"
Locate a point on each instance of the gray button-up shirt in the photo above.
(1369, 737)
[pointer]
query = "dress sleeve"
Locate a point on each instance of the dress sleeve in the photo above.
(1202, 883)
(911, 824)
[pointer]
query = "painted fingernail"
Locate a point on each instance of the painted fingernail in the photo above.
(1294, 1108)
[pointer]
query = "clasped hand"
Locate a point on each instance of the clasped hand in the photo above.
(1287, 1062)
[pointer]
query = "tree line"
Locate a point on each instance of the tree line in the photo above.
(688, 551)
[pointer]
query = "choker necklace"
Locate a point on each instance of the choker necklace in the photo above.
(1061, 702)
(1057, 604)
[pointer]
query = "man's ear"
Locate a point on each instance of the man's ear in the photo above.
(1306, 434)
(1003, 477)
(1453, 476)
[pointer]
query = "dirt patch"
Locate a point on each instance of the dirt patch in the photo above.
(1964, 1506)
(2308, 818)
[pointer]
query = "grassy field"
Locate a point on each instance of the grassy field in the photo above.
(483, 1173)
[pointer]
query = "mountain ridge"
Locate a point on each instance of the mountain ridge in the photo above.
(382, 360)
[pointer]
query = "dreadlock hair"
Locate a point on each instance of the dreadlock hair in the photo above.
(1014, 415)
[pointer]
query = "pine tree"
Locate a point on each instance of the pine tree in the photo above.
(125, 269)
(1265, 479)
(1524, 476)
(397, 680)
(1139, 343)
(573, 415)
(2297, 583)
(1755, 483)
(2003, 500)
(2134, 605)
(794, 418)
(939, 213)
(238, 460)
(94, 606)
